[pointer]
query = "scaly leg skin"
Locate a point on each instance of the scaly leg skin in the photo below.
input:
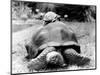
(74, 58)
(40, 61)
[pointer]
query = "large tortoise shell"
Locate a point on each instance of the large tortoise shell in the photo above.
(54, 34)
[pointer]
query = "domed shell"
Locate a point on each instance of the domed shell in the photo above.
(55, 34)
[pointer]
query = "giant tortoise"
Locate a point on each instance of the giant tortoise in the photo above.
(55, 44)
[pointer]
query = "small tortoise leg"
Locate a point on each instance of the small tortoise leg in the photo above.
(40, 61)
(74, 58)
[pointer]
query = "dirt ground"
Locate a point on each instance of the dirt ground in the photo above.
(23, 31)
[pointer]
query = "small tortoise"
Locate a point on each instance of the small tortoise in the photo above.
(56, 44)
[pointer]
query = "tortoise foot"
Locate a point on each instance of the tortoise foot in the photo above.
(74, 58)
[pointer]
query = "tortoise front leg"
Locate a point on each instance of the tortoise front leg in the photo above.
(73, 58)
(40, 61)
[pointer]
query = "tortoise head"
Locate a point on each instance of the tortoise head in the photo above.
(54, 58)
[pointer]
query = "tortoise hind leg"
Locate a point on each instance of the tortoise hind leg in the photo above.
(73, 58)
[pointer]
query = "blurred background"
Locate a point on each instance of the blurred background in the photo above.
(28, 10)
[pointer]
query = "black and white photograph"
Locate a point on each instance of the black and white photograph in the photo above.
(52, 37)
